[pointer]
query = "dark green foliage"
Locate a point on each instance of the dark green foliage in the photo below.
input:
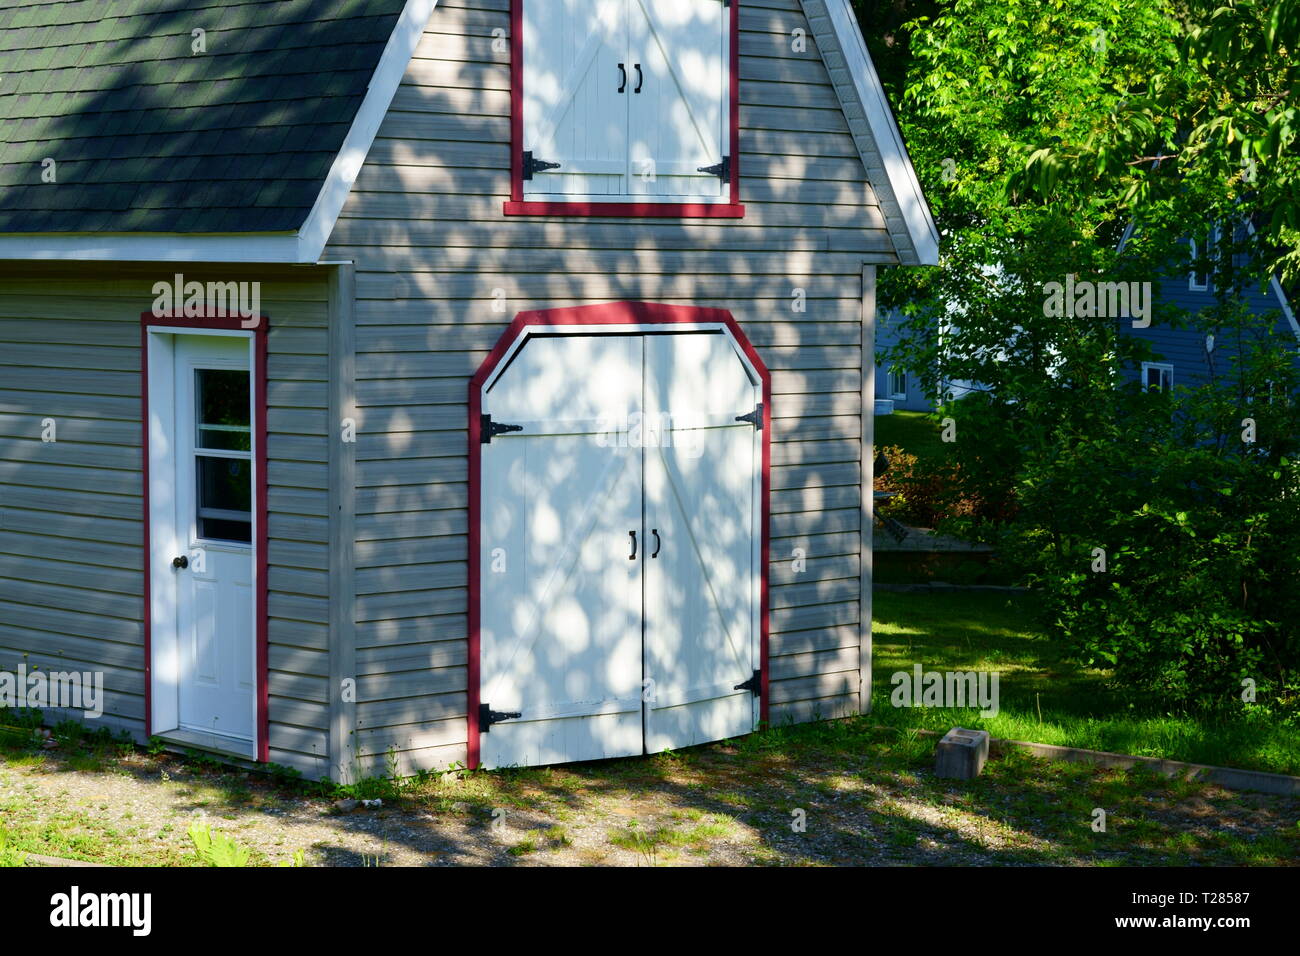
(1199, 526)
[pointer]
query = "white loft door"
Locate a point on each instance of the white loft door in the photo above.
(560, 611)
(575, 113)
(678, 123)
(702, 485)
(213, 579)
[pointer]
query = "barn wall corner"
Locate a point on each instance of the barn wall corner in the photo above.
(342, 523)
(868, 481)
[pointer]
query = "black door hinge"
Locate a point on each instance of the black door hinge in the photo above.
(536, 165)
(487, 717)
(755, 417)
(754, 685)
(722, 170)
(488, 429)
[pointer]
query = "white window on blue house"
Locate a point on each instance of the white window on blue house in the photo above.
(1198, 280)
(1157, 376)
(897, 383)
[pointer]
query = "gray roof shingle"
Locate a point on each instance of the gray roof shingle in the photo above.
(150, 137)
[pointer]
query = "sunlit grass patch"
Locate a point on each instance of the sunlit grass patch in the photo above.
(1043, 697)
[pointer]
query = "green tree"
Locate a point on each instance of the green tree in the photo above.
(1010, 113)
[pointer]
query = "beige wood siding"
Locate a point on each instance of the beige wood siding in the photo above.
(440, 272)
(71, 512)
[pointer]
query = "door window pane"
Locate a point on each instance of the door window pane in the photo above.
(221, 405)
(225, 498)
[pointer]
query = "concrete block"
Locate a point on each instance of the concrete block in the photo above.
(961, 754)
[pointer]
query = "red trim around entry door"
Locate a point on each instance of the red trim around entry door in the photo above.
(611, 313)
(259, 326)
(517, 205)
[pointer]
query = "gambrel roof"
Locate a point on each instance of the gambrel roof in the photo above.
(246, 151)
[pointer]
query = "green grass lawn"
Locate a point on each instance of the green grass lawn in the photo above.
(1044, 698)
(915, 432)
(867, 794)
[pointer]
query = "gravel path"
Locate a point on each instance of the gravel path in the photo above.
(844, 795)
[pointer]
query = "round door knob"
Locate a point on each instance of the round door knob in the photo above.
(181, 563)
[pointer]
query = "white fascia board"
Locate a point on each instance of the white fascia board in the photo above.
(136, 247)
(306, 245)
(405, 37)
(1286, 306)
(1278, 291)
(903, 183)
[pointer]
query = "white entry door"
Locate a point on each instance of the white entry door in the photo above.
(209, 572)
(619, 547)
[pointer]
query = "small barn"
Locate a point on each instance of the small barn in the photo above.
(480, 382)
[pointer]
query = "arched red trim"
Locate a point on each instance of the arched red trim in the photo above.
(607, 313)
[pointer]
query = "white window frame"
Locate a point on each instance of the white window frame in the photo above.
(1210, 243)
(1162, 367)
(897, 375)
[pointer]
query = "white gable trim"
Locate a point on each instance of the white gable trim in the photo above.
(316, 231)
(876, 133)
(303, 247)
(1286, 306)
(1281, 295)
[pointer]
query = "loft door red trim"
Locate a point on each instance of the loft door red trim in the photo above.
(517, 205)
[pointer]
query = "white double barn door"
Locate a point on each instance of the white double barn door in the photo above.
(620, 575)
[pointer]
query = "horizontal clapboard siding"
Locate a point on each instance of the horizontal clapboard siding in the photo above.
(440, 271)
(71, 511)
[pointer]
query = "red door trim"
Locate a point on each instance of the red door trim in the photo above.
(259, 326)
(611, 313)
(516, 205)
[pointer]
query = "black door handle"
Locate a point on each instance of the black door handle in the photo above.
(639, 77)
(622, 81)
(181, 563)
(655, 532)
(632, 556)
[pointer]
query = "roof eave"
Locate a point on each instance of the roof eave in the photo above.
(907, 213)
(286, 247)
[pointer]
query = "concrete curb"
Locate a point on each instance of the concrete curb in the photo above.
(1229, 778)
(1226, 777)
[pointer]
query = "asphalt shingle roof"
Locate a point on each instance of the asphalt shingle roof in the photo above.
(148, 136)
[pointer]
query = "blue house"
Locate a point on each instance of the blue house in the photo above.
(1179, 356)
(896, 388)
(1188, 357)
